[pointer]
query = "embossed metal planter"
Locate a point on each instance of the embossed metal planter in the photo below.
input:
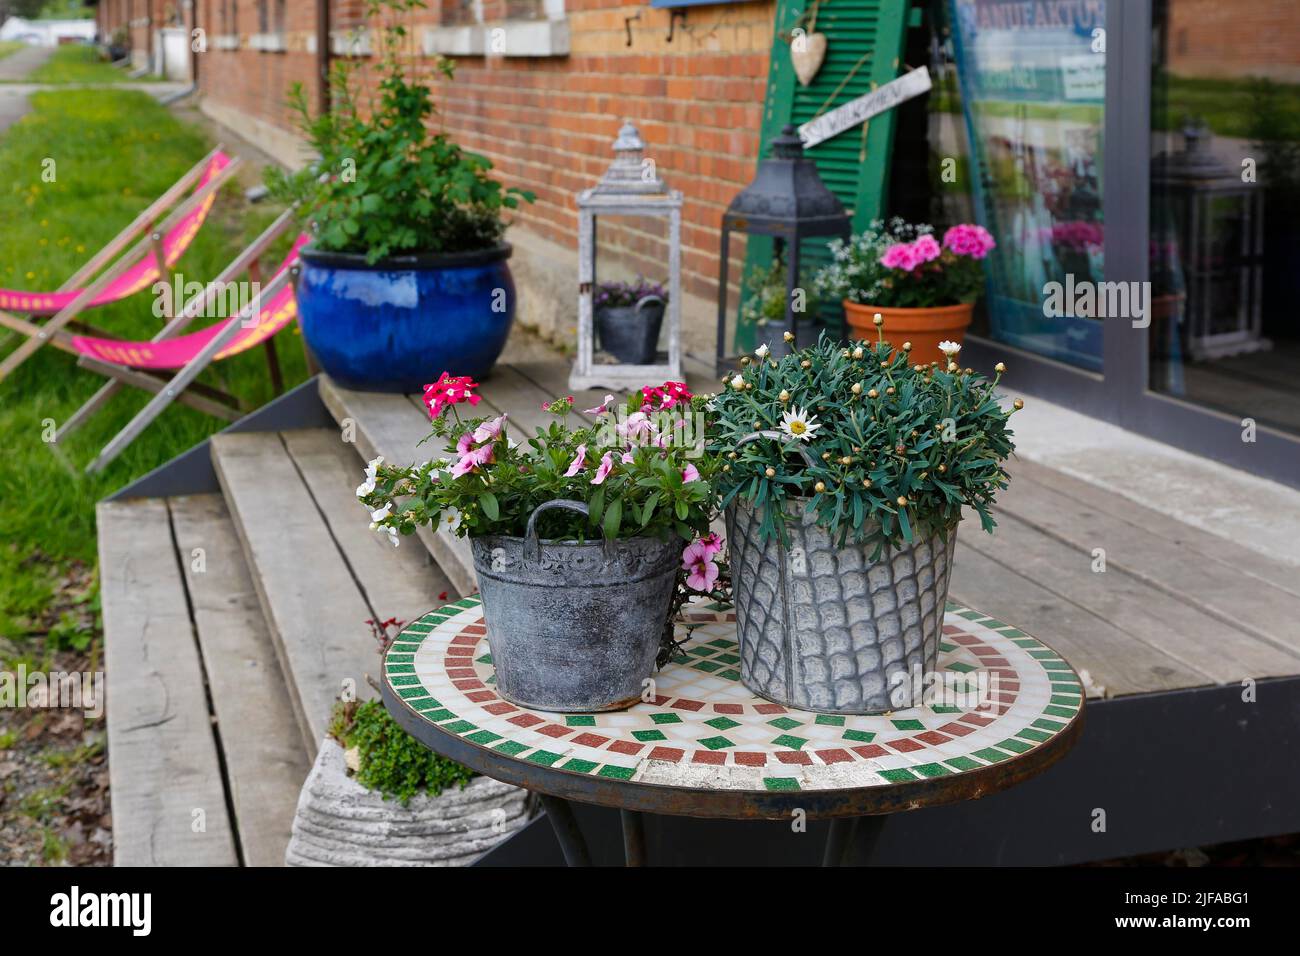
(827, 629)
(574, 628)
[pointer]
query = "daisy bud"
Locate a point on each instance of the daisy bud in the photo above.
(805, 364)
(952, 366)
(901, 501)
(873, 394)
(857, 352)
(1018, 404)
(857, 388)
(819, 487)
(784, 396)
(788, 336)
(907, 346)
(943, 469)
(866, 482)
(744, 360)
(770, 472)
(846, 460)
(890, 390)
(826, 456)
(1000, 367)
(879, 320)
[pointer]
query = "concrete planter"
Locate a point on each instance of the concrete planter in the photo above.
(574, 628)
(828, 629)
(341, 823)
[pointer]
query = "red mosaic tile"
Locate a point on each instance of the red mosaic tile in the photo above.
(658, 700)
(793, 756)
(975, 719)
(460, 652)
(503, 707)
(965, 638)
(835, 756)
(957, 730)
(983, 651)
(991, 662)
(730, 618)
(470, 639)
(905, 746)
(951, 629)
(555, 730)
(461, 672)
(684, 704)
(715, 757)
(933, 737)
(769, 709)
(478, 629)
(626, 747)
(590, 740)
(467, 684)
(729, 708)
(526, 720)
(672, 754)
(479, 696)
(748, 758)
(870, 750)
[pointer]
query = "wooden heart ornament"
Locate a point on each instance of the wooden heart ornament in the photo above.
(807, 53)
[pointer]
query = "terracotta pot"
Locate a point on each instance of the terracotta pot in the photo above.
(924, 328)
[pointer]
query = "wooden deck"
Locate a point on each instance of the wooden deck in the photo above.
(234, 620)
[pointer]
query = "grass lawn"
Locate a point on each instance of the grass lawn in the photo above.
(116, 150)
(74, 64)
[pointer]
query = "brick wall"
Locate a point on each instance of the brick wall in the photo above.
(1210, 38)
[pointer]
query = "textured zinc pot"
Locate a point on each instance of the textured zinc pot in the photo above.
(630, 333)
(826, 628)
(924, 328)
(574, 628)
(382, 327)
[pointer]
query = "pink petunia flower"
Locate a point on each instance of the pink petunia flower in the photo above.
(712, 544)
(602, 408)
(701, 574)
(579, 462)
(606, 466)
(489, 430)
(472, 459)
(465, 443)
(690, 473)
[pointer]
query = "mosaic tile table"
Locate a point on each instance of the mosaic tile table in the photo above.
(706, 746)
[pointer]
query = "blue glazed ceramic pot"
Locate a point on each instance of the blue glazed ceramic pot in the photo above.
(398, 324)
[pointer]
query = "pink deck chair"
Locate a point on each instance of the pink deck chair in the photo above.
(141, 364)
(147, 261)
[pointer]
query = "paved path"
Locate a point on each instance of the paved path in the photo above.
(16, 66)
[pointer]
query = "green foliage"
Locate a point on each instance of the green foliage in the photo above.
(75, 64)
(385, 184)
(767, 294)
(895, 449)
(644, 493)
(392, 762)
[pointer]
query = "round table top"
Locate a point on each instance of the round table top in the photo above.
(707, 746)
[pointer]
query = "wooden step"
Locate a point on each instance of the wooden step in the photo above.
(168, 795)
(318, 578)
(265, 760)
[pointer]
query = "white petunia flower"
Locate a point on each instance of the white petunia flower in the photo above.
(949, 348)
(380, 515)
(797, 423)
(372, 473)
(451, 519)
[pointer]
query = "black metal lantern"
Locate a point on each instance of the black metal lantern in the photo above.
(789, 202)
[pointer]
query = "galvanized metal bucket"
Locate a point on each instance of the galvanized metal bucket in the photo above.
(827, 629)
(630, 333)
(574, 628)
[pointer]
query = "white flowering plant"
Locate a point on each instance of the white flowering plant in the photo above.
(877, 448)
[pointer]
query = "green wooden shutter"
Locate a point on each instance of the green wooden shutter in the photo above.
(854, 164)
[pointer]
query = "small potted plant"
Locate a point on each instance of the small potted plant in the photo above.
(764, 309)
(845, 473)
(407, 265)
(628, 318)
(924, 287)
(579, 535)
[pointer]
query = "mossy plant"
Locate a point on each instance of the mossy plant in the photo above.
(392, 762)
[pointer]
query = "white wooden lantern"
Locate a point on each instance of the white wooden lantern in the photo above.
(629, 188)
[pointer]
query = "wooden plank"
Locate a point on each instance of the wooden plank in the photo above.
(1183, 537)
(1111, 658)
(163, 766)
(315, 609)
(392, 426)
(1213, 583)
(266, 762)
(1204, 644)
(402, 582)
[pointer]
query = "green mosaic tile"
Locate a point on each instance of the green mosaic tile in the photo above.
(991, 755)
(781, 783)
(1042, 723)
(722, 642)
(464, 603)
(395, 667)
(786, 740)
(865, 736)
(543, 757)
(932, 770)
(830, 720)
(716, 743)
(1065, 700)
(437, 716)
(722, 723)
(1060, 711)
(1015, 746)
(485, 659)
(648, 735)
(459, 727)
(578, 765)
(961, 667)
(1060, 688)
(668, 718)
(951, 606)
(410, 692)
(580, 720)
(421, 628)
(681, 659)
(1035, 735)
(701, 651)
(1012, 632)
(511, 748)
(1056, 665)
(908, 724)
(901, 775)
(707, 666)
(483, 737)
(943, 709)
(403, 647)
(947, 647)
(729, 674)
(399, 658)
(429, 703)
(616, 773)
(406, 680)
(970, 615)
(728, 658)
(784, 723)
(1045, 655)
(962, 763)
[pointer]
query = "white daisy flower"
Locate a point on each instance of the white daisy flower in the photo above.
(738, 382)
(949, 348)
(797, 423)
(762, 351)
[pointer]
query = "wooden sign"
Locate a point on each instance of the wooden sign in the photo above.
(860, 110)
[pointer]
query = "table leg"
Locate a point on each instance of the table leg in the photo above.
(633, 838)
(572, 842)
(849, 833)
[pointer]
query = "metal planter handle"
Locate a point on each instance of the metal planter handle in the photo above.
(533, 544)
(776, 436)
(650, 299)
